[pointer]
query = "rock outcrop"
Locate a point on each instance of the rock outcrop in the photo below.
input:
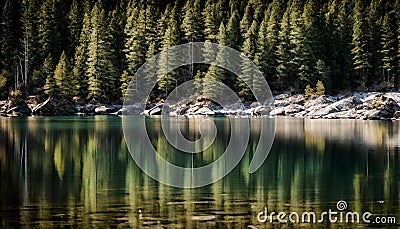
(357, 106)
(361, 105)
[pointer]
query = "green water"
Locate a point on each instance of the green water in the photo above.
(77, 172)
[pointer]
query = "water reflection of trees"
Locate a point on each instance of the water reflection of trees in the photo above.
(78, 172)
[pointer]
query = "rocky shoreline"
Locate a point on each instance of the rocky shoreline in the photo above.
(360, 105)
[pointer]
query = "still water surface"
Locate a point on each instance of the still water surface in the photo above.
(77, 172)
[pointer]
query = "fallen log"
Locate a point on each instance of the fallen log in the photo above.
(40, 105)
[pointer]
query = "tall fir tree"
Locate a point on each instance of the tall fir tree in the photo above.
(374, 17)
(80, 57)
(211, 22)
(339, 44)
(282, 53)
(50, 87)
(171, 38)
(360, 52)
(247, 19)
(30, 20)
(233, 30)
(249, 50)
(192, 24)
(233, 37)
(264, 56)
(48, 31)
(151, 33)
(389, 44)
(10, 37)
(101, 68)
(63, 78)
(314, 28)
(215, 72)
(135, 44)
(301, 60)
(117, 42)
(75, 19)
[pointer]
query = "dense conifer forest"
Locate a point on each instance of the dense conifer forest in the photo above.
(89, 50)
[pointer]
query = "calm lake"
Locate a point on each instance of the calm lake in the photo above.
(77, 172)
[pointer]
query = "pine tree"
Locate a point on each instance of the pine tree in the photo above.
(75, 19)
(374, 24)
(95, 92)
(150, 29)
(117, 42)
(171, 38)
(233, 40)
(216, 73)
(192, 24)
(268, 38)
(319, 88)
(282, 53)
(339, 43)
(163, 23)
(50, 87)
(263, 55)
(211, 22)
(249, 50)
(233, 7)
(361, 55)
(324, 74)
(247, 19)
(308, 92)
(301, 60)
(11, 34)
(63, 77)
(314, 28)
(29, 20)
(199, 82)
(48, 31)
(135, 44)
(101, 68)
(80, 59)
(389, 48)
(3, 80)
(233, 31)
(273, 24)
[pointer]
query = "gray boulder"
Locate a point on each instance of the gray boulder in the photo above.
(261, 110)
(156, 110)
(278, 111)
(396, 115)
(319, 102)
(339, 106)
(134, 109)
(293, 109)
(376, 114)
(89, 109)
(205, 111)
(255, 104)
(346, 104)
(349, 114)
(106, 109)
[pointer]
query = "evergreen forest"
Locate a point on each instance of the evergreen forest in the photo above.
(90, 50)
